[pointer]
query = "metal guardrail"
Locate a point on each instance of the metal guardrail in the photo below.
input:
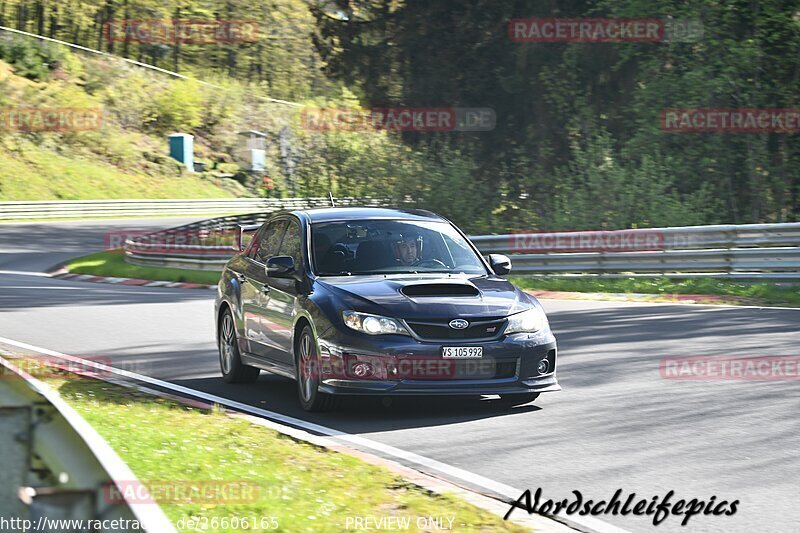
(55, 466)
(751, 251)
(645, 239)
(127, 208)
(208, 244)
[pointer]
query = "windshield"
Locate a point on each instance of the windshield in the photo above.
(391, 247)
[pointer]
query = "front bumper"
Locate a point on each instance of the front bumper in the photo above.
(405, 366)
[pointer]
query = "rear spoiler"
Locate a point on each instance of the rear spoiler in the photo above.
(245, 228)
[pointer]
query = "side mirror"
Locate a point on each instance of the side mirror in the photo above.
(501, 264)
(280, 266)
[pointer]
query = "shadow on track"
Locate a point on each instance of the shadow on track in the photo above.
(360, 414)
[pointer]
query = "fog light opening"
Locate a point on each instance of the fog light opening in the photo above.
(543, 367)
(362, 370)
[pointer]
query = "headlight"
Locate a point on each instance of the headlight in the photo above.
(373, 324)
(527, 321)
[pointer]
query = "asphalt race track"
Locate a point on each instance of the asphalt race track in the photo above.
(617, 424)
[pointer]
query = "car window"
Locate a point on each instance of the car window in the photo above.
(270, 241)
(292, 244)
(459, 250)
(391, 246)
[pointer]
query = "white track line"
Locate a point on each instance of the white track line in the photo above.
(582, 522)
(24, 273)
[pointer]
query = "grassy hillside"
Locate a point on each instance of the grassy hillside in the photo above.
(127, 157)
(34, 173)
(119, 160)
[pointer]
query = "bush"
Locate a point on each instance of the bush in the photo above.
(129, 99)
(178, 108)
(31, 59)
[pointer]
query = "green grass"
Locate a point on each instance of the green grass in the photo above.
(772, 293)
(306, 488)
(116, 161)
(112, 263)
(33, 173)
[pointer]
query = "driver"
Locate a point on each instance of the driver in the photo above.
(408, 249)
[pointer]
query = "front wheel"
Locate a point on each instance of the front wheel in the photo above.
(308, 370)
(230, 361)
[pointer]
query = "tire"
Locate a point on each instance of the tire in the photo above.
(230, 361)
(307, 367)
(511, 400)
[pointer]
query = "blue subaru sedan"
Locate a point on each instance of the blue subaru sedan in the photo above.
(373, 301)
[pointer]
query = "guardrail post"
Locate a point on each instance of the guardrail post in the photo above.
(729, 255)
(15, 441)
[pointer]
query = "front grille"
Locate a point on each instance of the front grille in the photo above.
(451, 369)
(505, 370)
(440, 330)
(428, 367)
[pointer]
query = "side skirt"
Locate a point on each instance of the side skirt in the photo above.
(269, 366)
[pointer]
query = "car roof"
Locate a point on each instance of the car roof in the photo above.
(330, 214)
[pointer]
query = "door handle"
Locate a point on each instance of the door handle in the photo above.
(265, 289)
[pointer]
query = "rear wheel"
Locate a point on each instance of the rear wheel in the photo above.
(311, 399)
(230, 361)
(518, 399)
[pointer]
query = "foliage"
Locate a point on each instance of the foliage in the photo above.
(577, 141)
(600, 190)
(30, 59)
(178, 108)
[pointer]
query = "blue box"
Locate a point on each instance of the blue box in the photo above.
(181, 148)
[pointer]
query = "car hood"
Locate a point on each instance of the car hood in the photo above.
(427, 296)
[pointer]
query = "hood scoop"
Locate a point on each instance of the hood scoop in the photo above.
(432, 290)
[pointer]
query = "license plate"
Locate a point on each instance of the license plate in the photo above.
(462, 352)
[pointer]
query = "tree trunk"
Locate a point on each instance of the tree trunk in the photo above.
(177, 49)
(40, 16)
(21, 16)
(51, 32)
(126, 46)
